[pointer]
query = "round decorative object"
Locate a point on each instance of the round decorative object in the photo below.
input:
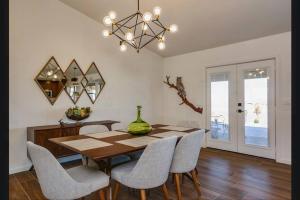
(77, 113)
(139, 127)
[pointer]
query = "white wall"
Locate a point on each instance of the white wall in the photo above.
(192, 67)
(40, 29)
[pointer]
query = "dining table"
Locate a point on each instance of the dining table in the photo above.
(102, 147)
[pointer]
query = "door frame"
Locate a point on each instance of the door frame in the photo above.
(276, 60)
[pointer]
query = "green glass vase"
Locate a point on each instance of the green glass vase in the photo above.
(139, 126)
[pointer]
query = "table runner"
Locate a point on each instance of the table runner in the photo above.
(138, 142)
(86, 144)
(105, 134)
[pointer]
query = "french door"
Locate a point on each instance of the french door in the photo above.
(241, 108)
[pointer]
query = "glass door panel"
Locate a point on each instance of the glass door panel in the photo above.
(256, 107)
(219, 121)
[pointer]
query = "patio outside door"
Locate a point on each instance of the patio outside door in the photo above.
(241, 108)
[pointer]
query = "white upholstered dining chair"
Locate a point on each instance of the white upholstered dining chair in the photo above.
(60, 184)
(150, 171)
(99, 129)
(185, 159)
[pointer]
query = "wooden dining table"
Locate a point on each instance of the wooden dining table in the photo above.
(103, 155)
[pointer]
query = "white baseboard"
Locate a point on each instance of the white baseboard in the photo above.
(26, 167)
(284, 161)
(13, 170)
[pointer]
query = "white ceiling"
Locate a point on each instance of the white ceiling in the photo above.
(202, 24)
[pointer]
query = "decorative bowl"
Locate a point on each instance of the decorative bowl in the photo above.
(77, 113)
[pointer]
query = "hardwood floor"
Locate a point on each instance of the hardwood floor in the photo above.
(223, 176)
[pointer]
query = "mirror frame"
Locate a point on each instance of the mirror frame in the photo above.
(83, 86)
(36, 80)
(93, 63)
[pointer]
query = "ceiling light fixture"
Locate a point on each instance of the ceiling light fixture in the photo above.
(138, 29)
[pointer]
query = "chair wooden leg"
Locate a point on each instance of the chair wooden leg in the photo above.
(196, 171)
(166, 193)
(116, 191)
(102, 194)
(177, 181)
(196, 182)
(182, 178)
(143, 194)
(173, 178)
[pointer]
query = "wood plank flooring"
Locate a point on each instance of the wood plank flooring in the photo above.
(223, 176)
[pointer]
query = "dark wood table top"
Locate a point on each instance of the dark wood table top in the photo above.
(116, 148)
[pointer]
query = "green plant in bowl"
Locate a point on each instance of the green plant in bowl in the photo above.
(139, 126)
(77, 113)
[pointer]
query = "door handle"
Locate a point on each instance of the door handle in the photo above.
(240, 111)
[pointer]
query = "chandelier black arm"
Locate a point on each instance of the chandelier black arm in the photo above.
(137, 17)
(137, 37)
(150, 35)
(161, 24)
(136, 24)
(120, 28)
(125, 26)
(122, 40)
(121, 25)
(125, 18)
(151, 29)
(155, 37)
(141, 37)
(158, 24)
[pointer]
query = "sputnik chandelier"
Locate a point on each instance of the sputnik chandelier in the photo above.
(138, 29)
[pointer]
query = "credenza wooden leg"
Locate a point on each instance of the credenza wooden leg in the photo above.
(143, 194)
(102, 194)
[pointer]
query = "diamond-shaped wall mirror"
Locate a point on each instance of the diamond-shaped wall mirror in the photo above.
(75, 81)
(95, 82)
(51, 80)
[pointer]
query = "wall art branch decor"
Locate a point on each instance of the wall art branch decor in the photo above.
(182, 94)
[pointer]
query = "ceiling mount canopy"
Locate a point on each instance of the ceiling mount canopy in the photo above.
(138, 29)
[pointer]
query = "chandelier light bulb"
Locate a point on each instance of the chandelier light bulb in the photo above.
(162, 38)
(123, 47)
(147, 17)
(107, 21)
(161, 45)
(55, 76)
(129, 36)
(49, 73)
(105, 33)
(173, 28)
(145, 27)
(156, 11)
(112, 15)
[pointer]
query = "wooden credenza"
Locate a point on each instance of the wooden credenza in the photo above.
(40, 135)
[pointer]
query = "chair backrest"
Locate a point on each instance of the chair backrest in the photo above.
(187, 152)
(55, 182)
(92, 129)
(152, 169)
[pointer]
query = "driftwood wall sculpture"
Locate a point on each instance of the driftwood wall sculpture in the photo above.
(182, 94)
